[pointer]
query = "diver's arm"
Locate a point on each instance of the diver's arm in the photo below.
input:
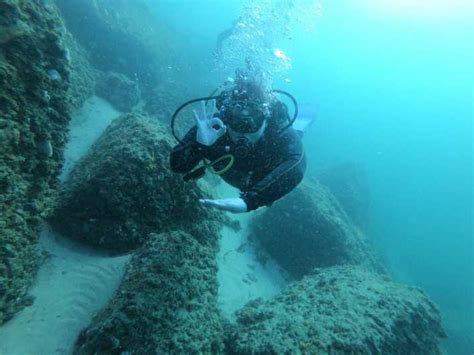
(187, 154)
(234, 205)
(284, 178)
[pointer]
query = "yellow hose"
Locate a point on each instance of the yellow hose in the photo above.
(210, 166)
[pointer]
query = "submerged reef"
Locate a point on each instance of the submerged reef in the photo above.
(309, 229)
(34, 114)
(166, 304)
(349, 184)
(339, 310)
(123, 189)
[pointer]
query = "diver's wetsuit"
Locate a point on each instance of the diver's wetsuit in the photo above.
(274, 166)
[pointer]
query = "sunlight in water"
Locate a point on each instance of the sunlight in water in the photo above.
(421, 9)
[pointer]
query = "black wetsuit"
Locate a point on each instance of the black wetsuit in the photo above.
(274, 166)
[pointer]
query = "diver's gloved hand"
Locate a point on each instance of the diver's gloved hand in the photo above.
(234, 205)
(209, 128)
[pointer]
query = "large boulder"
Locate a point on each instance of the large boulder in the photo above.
(130, 38)
(119, 90)
(123, 189)
(339, 310)
(349, 183)
(123, 36)
(167, 303)
(162, 101)
(309, 229)
(34, 115)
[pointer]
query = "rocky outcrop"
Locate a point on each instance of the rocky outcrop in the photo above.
(129, 39)
(119, 90)
(83, 75)
(162, 101)
(122, 36)
(123, 189)
(34, 114)
(309, 229)
(339, 310)
(349, 184)
(167, 303)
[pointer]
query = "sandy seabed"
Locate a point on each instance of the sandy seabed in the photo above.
(75, 281)
(72, 284)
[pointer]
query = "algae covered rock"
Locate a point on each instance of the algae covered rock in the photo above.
(119, 90)
(162, 101)
(340, 310)
(123, 36)
(123, 189)
(34, 114)
(83, 75)
(167, 303)
(308, 229)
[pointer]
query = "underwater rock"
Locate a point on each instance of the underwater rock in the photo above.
(9, 135)
(166, 304)
(121, 36)
(162, 101)
(339, 310)
(31, 41)
(123, 189)
(129, 38)
(119, 90)
(83, 75)
(349, 184)
(309, 229)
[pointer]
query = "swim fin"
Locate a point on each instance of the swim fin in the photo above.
(306, 117)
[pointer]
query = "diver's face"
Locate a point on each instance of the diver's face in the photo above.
(253, 137)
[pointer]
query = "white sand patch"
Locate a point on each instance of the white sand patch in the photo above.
(241, 276)
(87, 124)
(73, 283)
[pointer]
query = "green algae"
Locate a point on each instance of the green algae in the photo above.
(339, 310)
(308, 229)
(123, 189)
(167, 302)
(30, 37)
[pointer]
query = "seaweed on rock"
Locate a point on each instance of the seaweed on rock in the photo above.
(166, 304)
(123, 189)
(34, 84)
(339, 310)
(308, 229)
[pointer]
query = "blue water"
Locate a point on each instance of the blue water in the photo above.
(392, 81)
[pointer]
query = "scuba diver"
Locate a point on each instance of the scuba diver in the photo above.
(249, 141)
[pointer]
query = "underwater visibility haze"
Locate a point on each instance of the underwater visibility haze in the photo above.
(350, 232)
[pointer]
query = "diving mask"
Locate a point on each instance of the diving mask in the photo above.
(245, 116)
